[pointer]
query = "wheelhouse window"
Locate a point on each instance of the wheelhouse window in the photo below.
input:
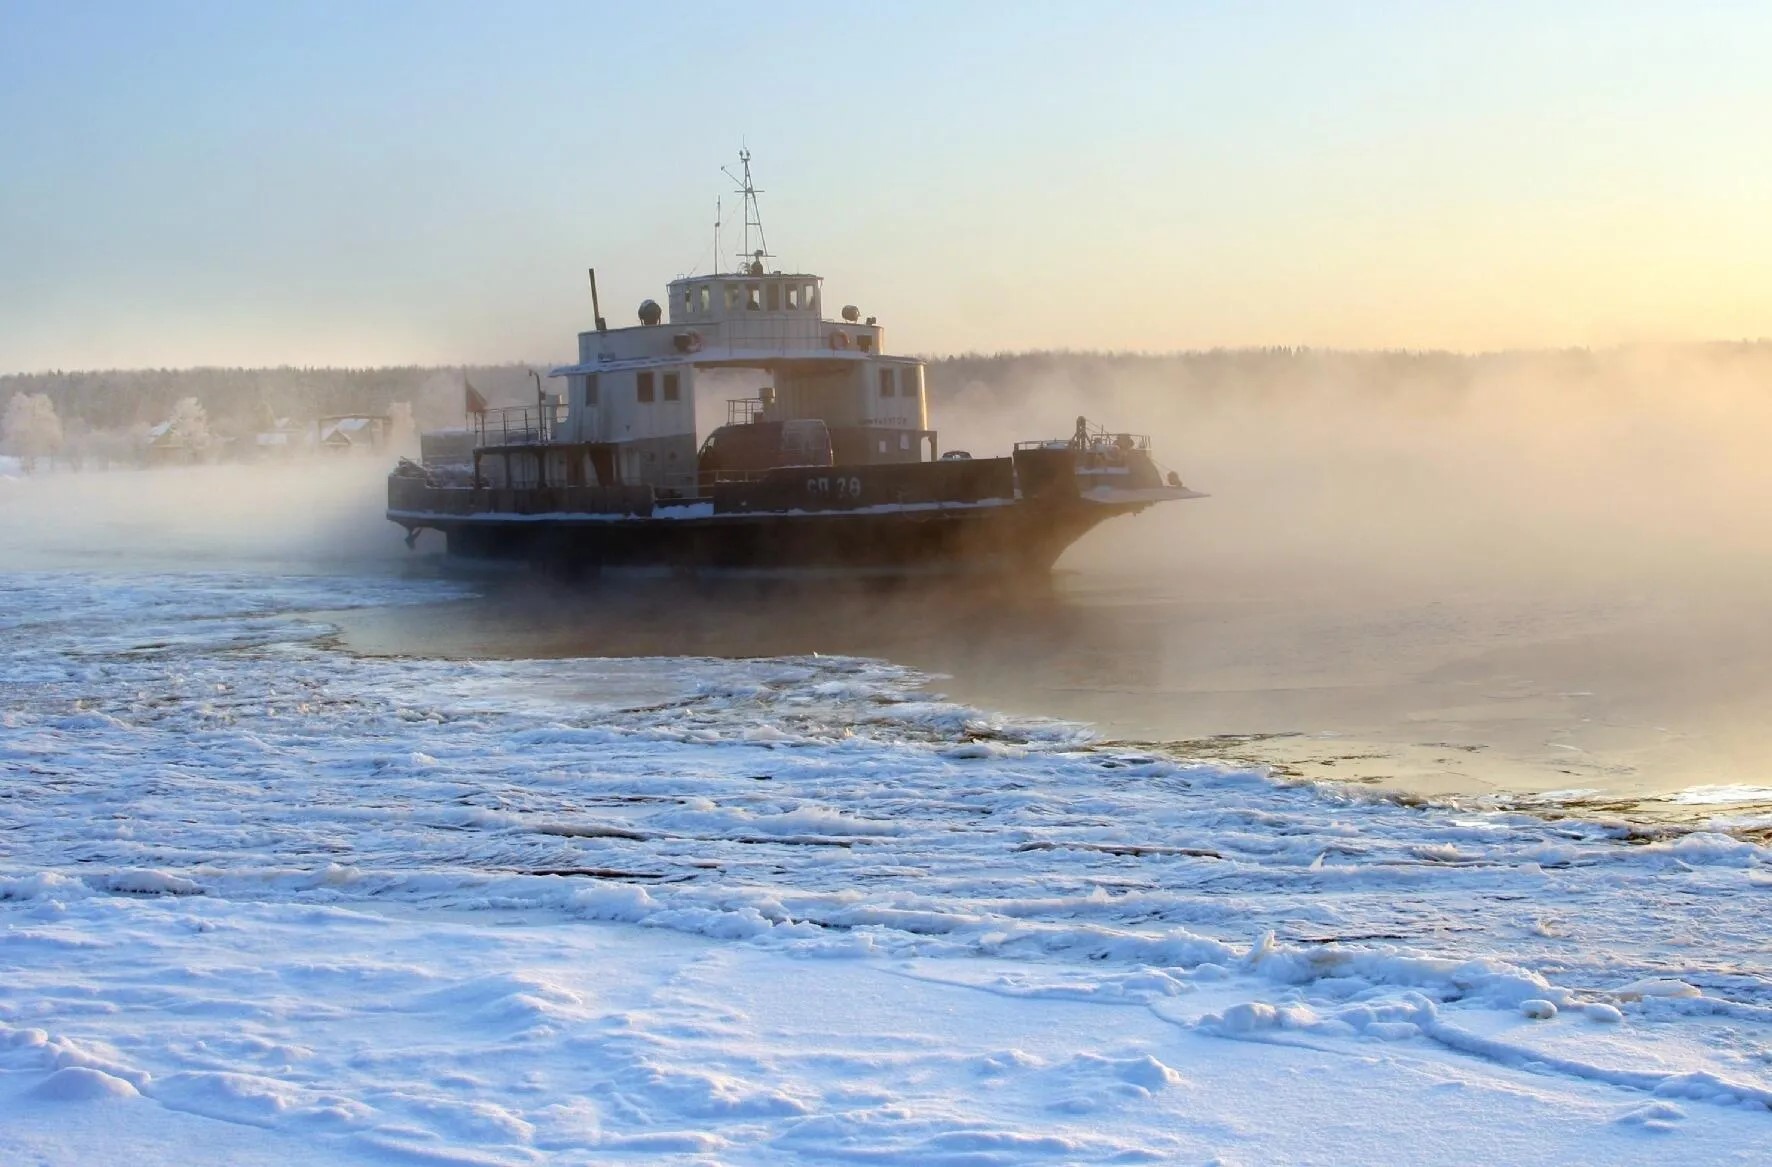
(793, 297)
(753, 297)
(643, 387)
(591, 389)
(688, 301)
(732, 293)
(673, 387)
(808, 295)
(910, 381)
(886, 382)
(707, 297)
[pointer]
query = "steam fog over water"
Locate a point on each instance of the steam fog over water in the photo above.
(1545, 577)
(315, 842)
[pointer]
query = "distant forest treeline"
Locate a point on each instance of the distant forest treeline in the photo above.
(241, 401)
(1422, 376)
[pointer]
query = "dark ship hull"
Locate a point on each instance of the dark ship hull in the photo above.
(997, 516)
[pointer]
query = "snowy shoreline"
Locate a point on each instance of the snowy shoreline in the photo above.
(234, 852)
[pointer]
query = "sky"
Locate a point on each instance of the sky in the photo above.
(211, 183)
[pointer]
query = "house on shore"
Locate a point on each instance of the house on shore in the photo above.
(354, 433)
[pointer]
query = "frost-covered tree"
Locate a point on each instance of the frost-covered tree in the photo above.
(189, 424)
(31, 430)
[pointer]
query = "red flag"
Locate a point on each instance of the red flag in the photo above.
(476, 403)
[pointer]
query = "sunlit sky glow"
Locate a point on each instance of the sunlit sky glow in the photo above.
(351, 183)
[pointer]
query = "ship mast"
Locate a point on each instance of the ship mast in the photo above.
(752, 263)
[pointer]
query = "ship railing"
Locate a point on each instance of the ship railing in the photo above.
(1092, 439)
(518, 425)
(1110, 443)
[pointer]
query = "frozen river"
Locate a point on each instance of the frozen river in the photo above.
(355, 866)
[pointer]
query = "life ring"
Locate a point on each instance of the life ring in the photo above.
(839, 339)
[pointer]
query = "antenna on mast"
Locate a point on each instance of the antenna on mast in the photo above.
(718, 262)
(753, 219)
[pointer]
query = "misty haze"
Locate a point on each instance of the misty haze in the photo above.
(1492, 575)
(1177, 584)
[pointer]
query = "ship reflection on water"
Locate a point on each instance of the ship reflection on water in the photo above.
(989, 631)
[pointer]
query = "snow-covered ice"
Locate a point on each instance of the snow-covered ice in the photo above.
(266, 901)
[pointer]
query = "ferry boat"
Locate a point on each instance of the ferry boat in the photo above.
(832, 464)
